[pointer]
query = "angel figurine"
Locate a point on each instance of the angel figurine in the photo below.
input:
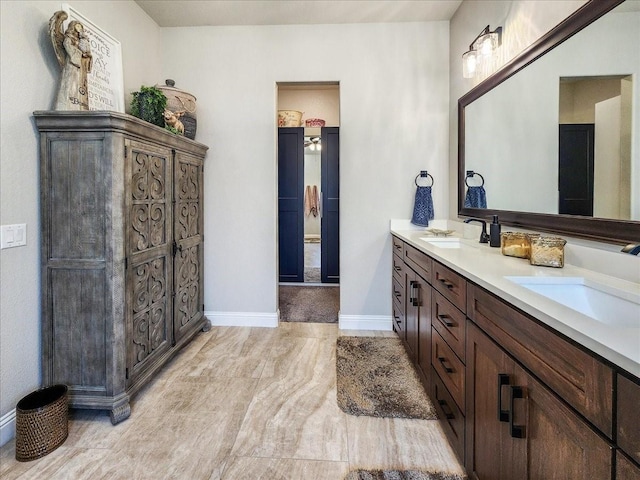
(73, 51)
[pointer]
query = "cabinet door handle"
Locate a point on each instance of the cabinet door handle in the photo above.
(517, 431)
(411, 284)
(447, 411)
(397, 268)
(445, 319)
(446, 368)
(446, 283)
(415, 301)
(503, 415)
(397, 247)
(397, 293)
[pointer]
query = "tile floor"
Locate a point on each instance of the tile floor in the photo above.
(240, 403)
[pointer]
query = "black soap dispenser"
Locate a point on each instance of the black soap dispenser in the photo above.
(494, 232)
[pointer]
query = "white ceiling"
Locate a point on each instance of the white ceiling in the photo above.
(189, 13)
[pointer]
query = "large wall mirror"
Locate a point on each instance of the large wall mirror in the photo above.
(554, 134)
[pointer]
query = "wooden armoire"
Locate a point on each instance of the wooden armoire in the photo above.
(122, 240)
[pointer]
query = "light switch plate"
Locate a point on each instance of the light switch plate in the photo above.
(13, 235)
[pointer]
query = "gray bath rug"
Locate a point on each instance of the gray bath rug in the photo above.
(309, 304)
(375, 378)
(400, 475)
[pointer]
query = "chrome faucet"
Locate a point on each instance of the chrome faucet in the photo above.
(484, 237)
(632, 248)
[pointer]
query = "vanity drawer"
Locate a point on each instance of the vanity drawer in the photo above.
(584, 382)
(451, 418)
(451, 285)
(625, 468)
(449, 368)
(398, 319)
(397, 246)
(399, 269)
(421, 263)
(628, 417)
(398, 294)
(450, 323)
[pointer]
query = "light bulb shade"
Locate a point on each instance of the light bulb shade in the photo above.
(486, 44)
(469, 63)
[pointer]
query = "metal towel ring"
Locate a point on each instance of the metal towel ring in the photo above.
(471, 173)
(424, 174)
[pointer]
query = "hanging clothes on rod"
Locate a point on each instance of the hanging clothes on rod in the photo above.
(311, 201)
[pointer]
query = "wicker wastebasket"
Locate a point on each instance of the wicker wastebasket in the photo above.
(42, 422)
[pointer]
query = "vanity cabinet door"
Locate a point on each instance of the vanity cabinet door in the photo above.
(415, 298)
(625, 468)
(491, 452)
(517, 428)
(628, 417)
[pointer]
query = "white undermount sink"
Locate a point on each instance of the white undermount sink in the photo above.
(443, 242)
(607, 305)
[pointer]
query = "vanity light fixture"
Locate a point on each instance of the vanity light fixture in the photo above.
(480, 50)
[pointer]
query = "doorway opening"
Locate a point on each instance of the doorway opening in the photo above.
(308, 201)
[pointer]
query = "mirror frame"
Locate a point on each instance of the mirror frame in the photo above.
(601, 229)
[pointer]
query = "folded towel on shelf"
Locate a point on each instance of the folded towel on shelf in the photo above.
(311, 201)
(476, 197)
(422, 207)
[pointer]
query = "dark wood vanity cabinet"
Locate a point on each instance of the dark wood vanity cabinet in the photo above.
(516, 399)
(122, 238)
(439, 368)
(411, 293)
(518, 428)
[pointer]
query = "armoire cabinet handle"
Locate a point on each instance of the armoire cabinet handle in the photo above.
(503, 415)
(517, 431)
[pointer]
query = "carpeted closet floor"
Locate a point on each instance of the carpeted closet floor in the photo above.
(309, 304)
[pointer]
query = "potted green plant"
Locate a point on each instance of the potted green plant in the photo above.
(149, 105)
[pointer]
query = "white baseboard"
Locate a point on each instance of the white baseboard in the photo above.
(7, 426)
(365, 322)
(242, 319)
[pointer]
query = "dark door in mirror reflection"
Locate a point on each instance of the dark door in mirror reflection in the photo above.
(575, 169)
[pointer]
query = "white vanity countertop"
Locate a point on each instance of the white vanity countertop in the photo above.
(487, 267)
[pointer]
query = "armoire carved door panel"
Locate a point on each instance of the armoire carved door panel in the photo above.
(149, 253)
(188, 238)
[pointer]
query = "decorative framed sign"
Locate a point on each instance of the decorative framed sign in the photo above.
(106, 83)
